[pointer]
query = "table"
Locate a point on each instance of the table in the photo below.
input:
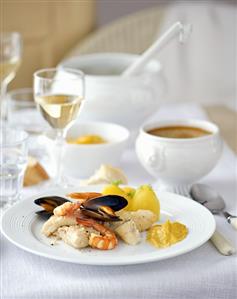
(226, 119)
(202, 273)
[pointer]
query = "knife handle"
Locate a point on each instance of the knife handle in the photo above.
(233, 222)
(222, 245)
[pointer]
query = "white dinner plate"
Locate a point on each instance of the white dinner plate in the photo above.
(22, 226)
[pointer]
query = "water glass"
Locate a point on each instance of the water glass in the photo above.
(13, 161)
(23, 113)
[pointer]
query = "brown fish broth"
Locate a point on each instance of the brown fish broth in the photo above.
(179, 132)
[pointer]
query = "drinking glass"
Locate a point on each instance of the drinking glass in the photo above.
(23, 114)
(13, 161)
(59, 93)
(10, 58)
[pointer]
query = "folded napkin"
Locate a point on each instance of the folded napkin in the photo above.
(202, 273)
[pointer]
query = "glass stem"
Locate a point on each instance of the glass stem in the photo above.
(3, 104)
(59, 144)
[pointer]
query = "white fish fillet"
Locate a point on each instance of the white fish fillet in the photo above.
(75, 236)
(142, 218)
(128, 232)
(54, 222)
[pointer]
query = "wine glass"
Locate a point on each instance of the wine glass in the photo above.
(10, 59)
(59, 93)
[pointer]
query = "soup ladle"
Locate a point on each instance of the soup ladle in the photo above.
(178, 28)
(212, 201)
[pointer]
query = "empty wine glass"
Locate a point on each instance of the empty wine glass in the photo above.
(59, 93)
(10, 58)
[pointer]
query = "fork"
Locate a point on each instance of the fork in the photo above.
(218, 240)
(182, 190)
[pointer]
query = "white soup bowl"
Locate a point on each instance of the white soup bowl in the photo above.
(81, 160)
(179, 161)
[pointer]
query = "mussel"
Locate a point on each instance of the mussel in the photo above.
(102, 207)
(49, 203)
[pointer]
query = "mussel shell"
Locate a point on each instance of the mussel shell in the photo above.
(49, 203)
(115, 202)
(89, 208)
(98, 216)
(44, 214)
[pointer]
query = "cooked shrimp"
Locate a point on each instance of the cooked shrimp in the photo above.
(83, 196)
(67, 209)
(105, 241)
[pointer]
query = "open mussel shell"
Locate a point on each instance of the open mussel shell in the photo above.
(115, 202)
(44, 214)
(49, 203)
(103, 207)
(99, 215)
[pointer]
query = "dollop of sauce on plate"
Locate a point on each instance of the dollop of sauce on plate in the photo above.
(166, 234)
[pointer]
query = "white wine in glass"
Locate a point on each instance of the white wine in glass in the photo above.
(8, 69)
(59, 93)
(59, 109)
(10, 59)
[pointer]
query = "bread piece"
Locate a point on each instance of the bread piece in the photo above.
(34, 173)
(105, 175)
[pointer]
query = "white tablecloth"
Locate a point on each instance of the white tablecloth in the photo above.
(202, 273)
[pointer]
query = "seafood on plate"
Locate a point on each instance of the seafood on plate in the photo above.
(99, 220)
(93, 219)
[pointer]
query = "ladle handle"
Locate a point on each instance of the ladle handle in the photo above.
(176, 29)
(233, 222)
(222, 244)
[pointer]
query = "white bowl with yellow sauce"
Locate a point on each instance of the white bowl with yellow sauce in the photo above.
(81, 160)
